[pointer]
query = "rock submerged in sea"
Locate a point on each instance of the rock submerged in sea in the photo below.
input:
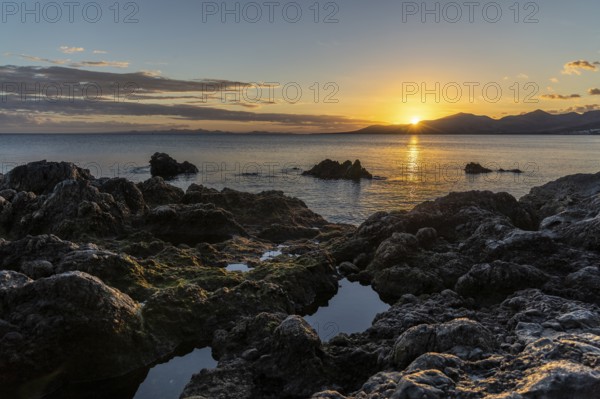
(163, 165)
(329, 169)
(474, 168)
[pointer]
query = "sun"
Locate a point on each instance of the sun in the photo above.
(415, 120)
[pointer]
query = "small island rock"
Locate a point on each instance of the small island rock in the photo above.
(163, 165)
(329, 169)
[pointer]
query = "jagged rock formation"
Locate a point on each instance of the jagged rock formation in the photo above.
(329, 169)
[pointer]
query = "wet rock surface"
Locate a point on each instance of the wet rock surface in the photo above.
(491, 297)
(136, 269)
(485, 305)
(41, 177)
(270, 215)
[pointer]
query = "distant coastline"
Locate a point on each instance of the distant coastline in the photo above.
(534, 123)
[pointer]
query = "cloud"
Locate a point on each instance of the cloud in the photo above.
(559, 96)
(522, 76)
(72, 64)
(15, 122)
(100, 64)
(594, 92)
(99, 52)
(575, 67)
(142, 106)
(554, 80)
(40, 59)
(580, 109)
(152, 73)
(144, 82)
(185, 112)
(71, 50)
(14, 119)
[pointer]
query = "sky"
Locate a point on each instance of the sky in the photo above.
(284, 66)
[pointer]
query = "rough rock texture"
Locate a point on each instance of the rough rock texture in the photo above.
(491, 298)
(192, 224)
(73, 208)
(489, 282)
(163, 165)
(462, 333)
(125, 193)
(270, 214)
(103, 208)
(157, 192)
(68, 319)
(90, 272)
(430, 247)
(41, 177)
(329, 169)
(284, 359)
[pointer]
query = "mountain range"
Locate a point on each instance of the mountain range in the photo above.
(537, 122)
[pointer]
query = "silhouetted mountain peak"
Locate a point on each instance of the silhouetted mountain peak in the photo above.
(538, 112)
(536, 122)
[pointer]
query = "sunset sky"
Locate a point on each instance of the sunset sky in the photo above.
(369, 66)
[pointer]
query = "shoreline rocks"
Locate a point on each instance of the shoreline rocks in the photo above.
(489, 296)
(144, 245)
(329, 169)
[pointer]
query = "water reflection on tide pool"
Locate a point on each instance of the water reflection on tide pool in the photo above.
(167, 380)
(351, 310)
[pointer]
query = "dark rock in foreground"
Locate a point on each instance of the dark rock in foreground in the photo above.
(163, 165)
(41, 177)
(192, 224)
(270, 215)
(329, 169)
(490, 297)
(106, 208)
(131, 297)
(72, 209)
(68, 319)
(157, 192)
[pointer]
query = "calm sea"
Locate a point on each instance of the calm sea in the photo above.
(412, 169)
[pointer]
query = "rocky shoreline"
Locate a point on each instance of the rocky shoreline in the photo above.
(491, 297)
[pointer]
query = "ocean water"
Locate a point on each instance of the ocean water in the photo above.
(412, 169)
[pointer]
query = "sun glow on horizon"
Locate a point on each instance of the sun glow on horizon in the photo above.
(415, 120)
